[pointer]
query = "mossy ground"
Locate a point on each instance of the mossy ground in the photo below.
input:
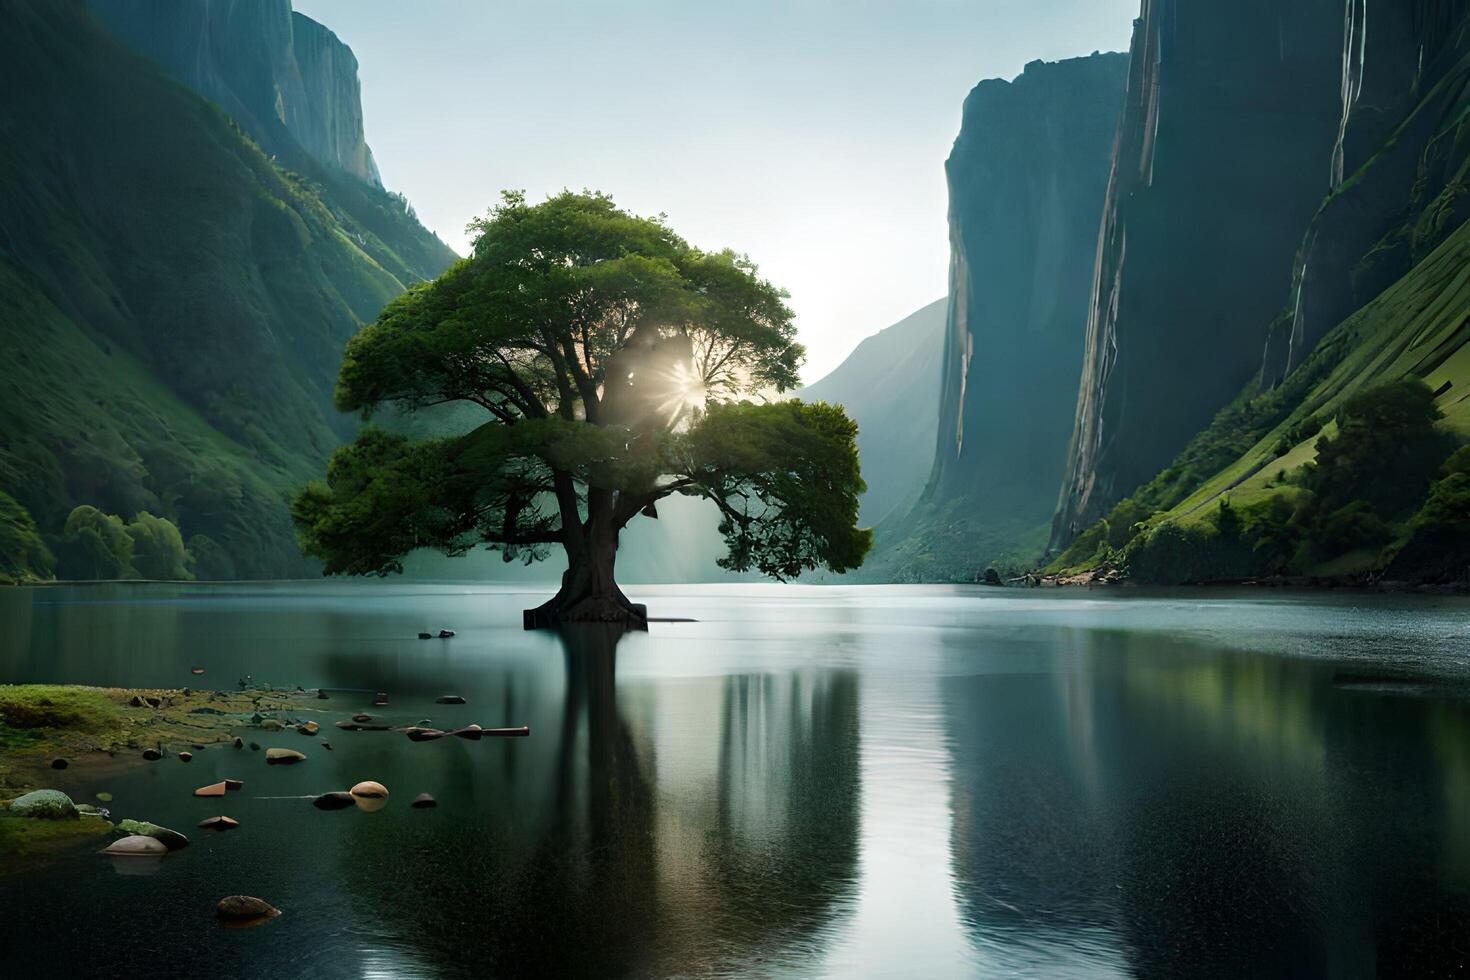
(41, 722)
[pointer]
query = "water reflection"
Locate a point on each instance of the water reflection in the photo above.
(1160, 809)
(803, 783)
(598, 872)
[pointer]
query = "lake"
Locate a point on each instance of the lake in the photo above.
(802, 782)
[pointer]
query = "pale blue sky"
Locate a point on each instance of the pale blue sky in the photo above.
(809, 134)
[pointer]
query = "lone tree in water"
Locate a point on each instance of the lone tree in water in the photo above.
(610, 360)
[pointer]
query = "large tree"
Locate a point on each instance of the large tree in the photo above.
(612, 364)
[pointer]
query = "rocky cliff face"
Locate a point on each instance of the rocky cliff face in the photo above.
(1223, 152)
(1027, 177)
(1026, 181)
(285, 78)
(1398, 171)
(328, 121)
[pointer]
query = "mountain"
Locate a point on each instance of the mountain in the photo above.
(1027, 177)
(1224, 151)
(1330, 462)
(292, 86)
(887, 385)
(175, 303)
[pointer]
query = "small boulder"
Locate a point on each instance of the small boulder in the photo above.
(44, 804)
(234, 785)
(424, 802)
(239, 742)
(370, 790)
(426, 636)
(361, 718)
(254, 746)
(308, 728)
(321, 695)
(196, 671)
(136, 702)
(445, 634)
(185, 756)
(171, 839)
(449, 699)
(136, 846)
(152, 755)
(220, 823)
(154, 702)
(59, 763)
(327, 745)
(283, 757)
(245, 907)
(213, 789)
(334, 801)
(380, 700)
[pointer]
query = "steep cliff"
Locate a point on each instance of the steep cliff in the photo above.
(888, 385)
(174, 305)
(1399, 167)
(1379, 301)
(293, 86)
(1223, 153)
(1027, 177)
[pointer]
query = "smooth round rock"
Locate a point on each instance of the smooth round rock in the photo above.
(234, 785)
(59, 763)
(245, 907)
(449, 699)
(44, 804)
(152, 755)
(424, 802)
(196, 671)
(308, 728)
(136, 845)
(445, 634)
(185, 756)
(334, 801)
(426, 636)
(370, 790)
(219, 823)
(283, 757)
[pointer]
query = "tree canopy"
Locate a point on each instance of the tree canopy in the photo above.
(615, 364)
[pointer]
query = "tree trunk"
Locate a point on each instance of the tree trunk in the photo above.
(588, 592)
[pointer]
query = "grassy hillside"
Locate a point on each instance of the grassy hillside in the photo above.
(1261, 458)
(174, 304)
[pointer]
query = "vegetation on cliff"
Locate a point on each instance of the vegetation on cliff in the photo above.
(175, 306)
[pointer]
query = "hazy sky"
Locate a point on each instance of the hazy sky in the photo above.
(810, 134)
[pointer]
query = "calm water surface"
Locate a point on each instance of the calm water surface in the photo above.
(804, 782)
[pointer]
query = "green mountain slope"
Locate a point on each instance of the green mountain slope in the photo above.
(173, 304)
(1419, 328)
